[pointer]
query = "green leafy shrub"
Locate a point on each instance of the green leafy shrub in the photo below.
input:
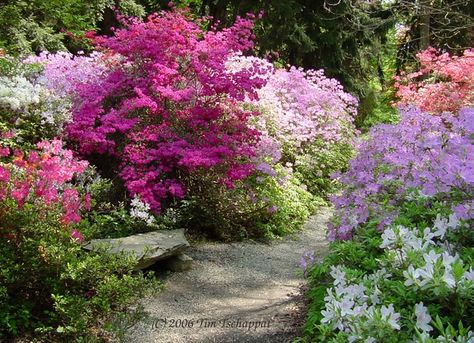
(49, 286)
(316, 165)
(262, 206)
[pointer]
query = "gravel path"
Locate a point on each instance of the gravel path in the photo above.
(239, 292)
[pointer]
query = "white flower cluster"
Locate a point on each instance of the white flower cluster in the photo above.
(141, 210)
(17, 93)
(27, 99)
(257, 67)
(425, 259)
(352, 308)
(439, 259)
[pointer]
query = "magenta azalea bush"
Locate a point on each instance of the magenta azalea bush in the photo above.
(421, 156)
(168, 107)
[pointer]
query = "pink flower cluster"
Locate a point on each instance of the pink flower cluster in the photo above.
(170, 107)
(297, 107)
(305, 105)
(42, 178)
(443, 82)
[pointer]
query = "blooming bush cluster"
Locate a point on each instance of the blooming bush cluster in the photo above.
(306, 121)
(169, 107)
(63, 73)
(443, 82)
(167, 103)
(422, 155)
(306, 105)
(40, 178)
(400, 266)
(49, 284)
(33, 111)
(415, 285)
(179, 130)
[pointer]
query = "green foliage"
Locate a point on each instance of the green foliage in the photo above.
(260, 207)
(446, 25)
(115, 221)
(38, 25)
(50, 286)
(315, 166)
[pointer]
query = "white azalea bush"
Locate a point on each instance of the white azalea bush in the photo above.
(408, 284)
(28, 108)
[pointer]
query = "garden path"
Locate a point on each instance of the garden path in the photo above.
(234, 285)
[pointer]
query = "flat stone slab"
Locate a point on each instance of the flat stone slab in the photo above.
(147, 247)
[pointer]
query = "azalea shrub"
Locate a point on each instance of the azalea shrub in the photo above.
(311, 117)
(412, 282)
(442, 83)
(422, 155)
(400, 266)
(49, 286)
(178, 114)
(27, 107)
(306, 121)
(169, 118)
(168, 107)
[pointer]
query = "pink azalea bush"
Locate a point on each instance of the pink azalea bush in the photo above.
(443, 82)
(306, 121)
(299, 106)
(42, 179)
(169, 108)
(46, 275)
(303, 106)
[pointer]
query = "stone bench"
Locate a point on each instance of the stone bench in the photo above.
(149, 248)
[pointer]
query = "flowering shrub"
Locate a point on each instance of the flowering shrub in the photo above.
(410, 283)
(307, 120)
(443, 82)
(33, 111)
(41, 179)
(49, 285)
(305, 105)
(63, 73)
(400, 266)
(169, 107)
(420, 156)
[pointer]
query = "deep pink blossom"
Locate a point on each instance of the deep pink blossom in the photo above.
(170, 107)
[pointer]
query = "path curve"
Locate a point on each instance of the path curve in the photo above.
(230, 287)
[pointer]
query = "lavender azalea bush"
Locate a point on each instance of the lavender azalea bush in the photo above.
(422, 156)
(400, 268)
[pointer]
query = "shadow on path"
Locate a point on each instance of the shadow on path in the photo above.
(232, 289)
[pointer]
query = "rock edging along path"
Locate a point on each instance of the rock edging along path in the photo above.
(239, 292)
